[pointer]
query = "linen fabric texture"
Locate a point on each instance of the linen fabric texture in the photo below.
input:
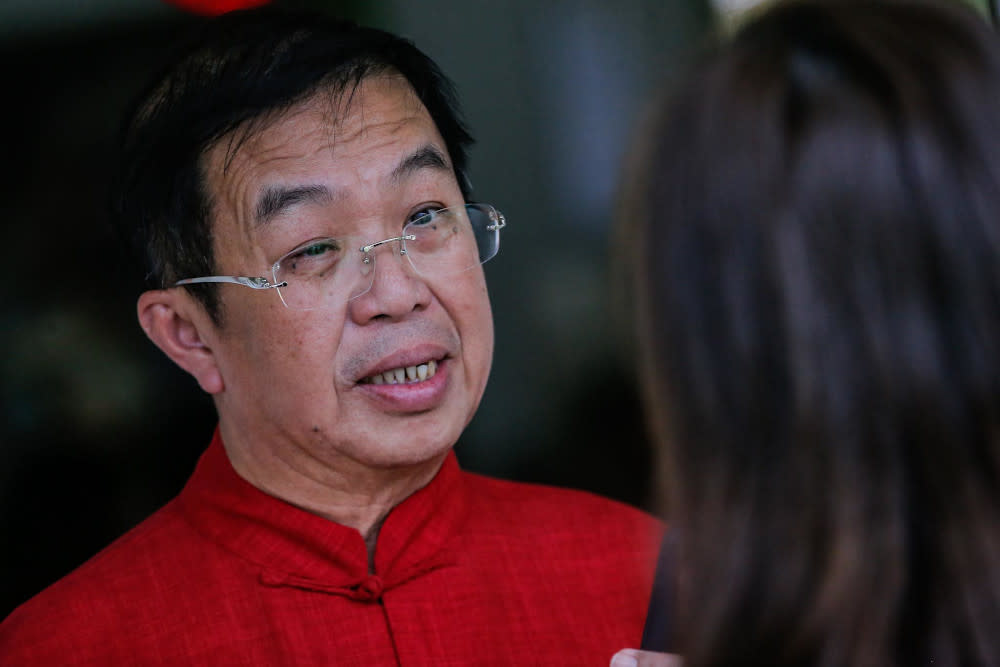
(467, 571)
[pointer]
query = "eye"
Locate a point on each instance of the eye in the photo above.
(317, 249)
(313, 256)
(424, 216)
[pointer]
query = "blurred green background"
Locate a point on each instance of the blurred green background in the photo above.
(99, 429)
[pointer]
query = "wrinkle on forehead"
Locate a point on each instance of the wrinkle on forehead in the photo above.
(351, 123)
(322, 122)
(339, 101)
(344, 118)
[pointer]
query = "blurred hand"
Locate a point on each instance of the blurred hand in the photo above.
(633, 658)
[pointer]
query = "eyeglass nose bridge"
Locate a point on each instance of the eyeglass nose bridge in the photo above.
(402, 245)
(368, 262)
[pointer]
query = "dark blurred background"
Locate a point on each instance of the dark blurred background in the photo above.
(99, 428)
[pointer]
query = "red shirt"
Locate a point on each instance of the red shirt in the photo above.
(468, 571)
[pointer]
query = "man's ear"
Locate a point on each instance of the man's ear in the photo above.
(177, 325)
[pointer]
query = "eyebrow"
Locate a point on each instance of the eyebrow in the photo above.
(428, 157)
(277, 199)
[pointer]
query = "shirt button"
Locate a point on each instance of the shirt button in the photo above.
(370, 589)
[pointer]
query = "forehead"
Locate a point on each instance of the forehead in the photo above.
(346, 143)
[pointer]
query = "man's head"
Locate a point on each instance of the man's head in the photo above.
(313, 129)
(237, 73)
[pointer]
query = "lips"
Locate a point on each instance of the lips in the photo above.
(395, 384)
(406, 364)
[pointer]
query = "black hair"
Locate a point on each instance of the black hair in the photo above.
(819, 213)
(235, 71)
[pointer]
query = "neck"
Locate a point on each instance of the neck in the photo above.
(335, 487)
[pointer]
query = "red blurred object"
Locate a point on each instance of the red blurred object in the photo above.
(214, 7)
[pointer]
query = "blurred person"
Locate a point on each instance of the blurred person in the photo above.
(816, 220)
(296, 189)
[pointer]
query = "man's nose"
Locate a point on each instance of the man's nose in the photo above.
(396, 289)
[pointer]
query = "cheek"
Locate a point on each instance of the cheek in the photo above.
(291, 349)
(477, 326)
(312, 346)
(486, 322)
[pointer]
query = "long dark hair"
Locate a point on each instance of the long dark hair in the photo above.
(819, 236)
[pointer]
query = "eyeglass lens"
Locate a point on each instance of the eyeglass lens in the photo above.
(438, 244)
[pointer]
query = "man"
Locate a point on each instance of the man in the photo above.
(296, 186)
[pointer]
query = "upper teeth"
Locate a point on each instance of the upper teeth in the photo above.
(405, 374)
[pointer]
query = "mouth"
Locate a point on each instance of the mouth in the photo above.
(403, 374)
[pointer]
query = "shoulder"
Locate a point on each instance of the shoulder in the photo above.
(553, 544)
(522, 508)
(99, 598)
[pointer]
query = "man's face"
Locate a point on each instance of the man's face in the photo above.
(301, 378)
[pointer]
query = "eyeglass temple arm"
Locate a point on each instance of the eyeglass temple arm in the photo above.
(252, 283)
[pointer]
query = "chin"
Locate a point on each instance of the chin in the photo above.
(401, 455)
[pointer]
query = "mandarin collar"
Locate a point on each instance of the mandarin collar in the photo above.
(296, 548)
